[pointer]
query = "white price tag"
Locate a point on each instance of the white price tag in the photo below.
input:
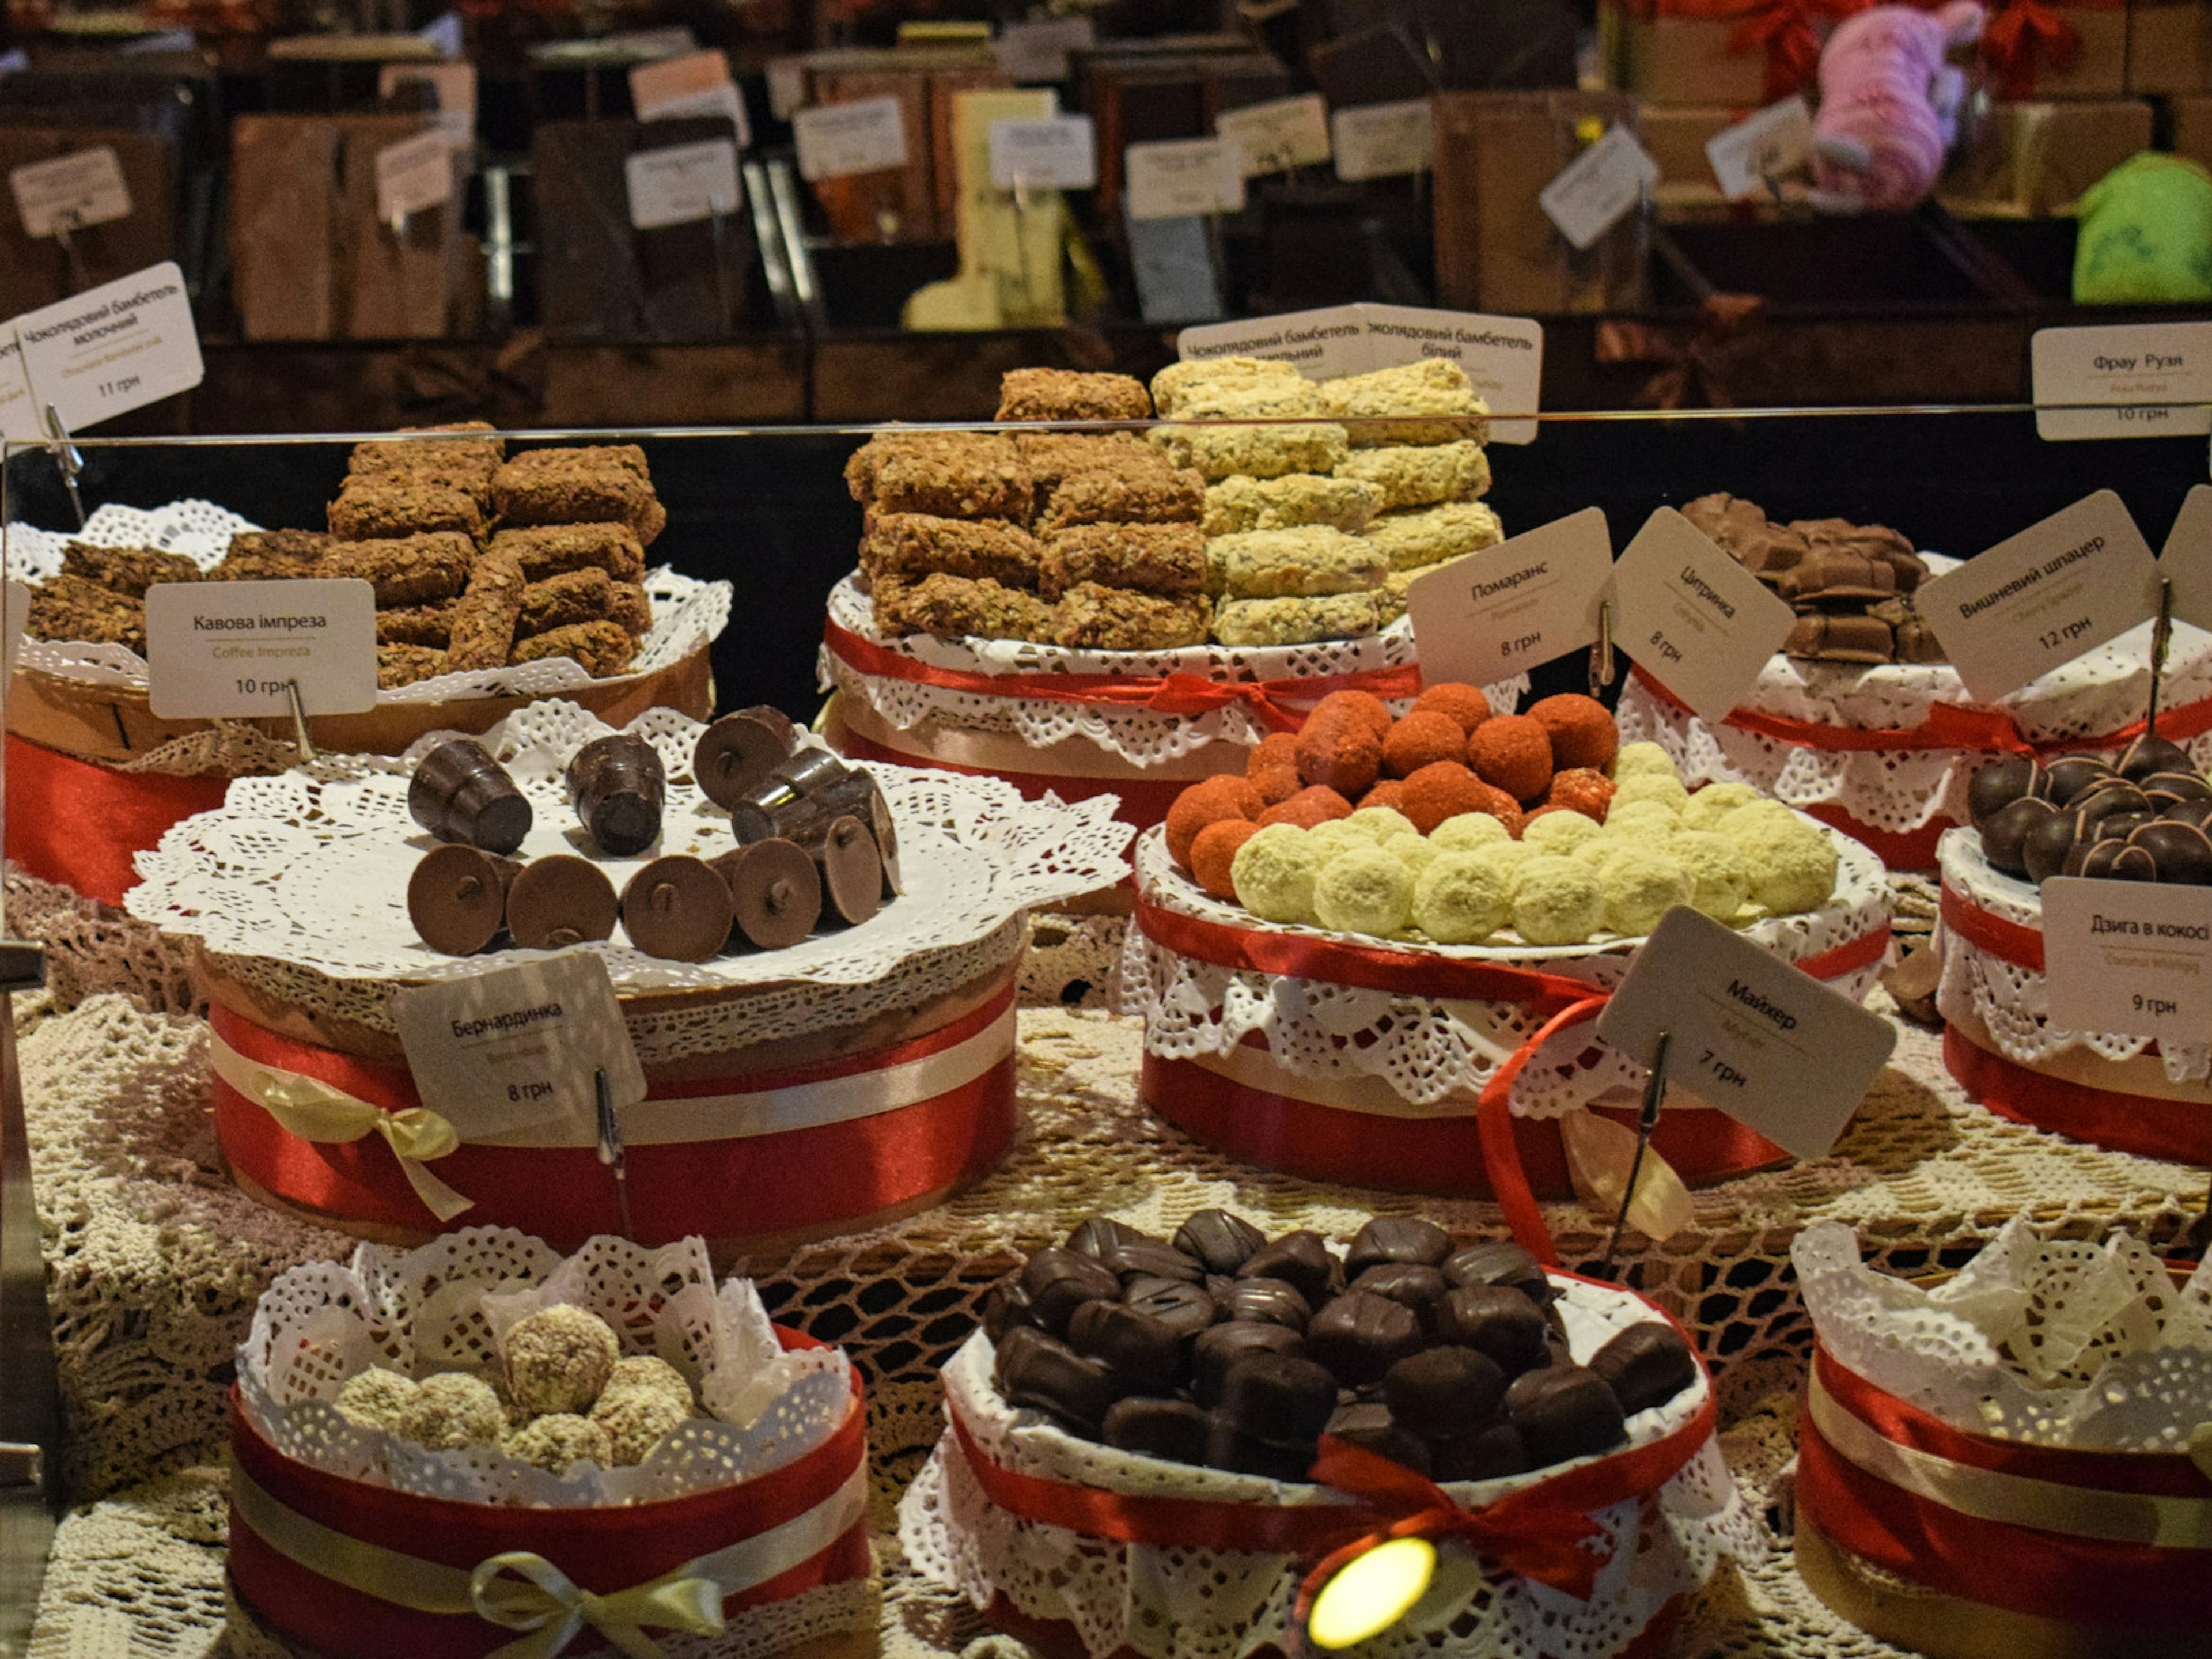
(1697, 621)
(2185, 560)
(1504, 356)
(1591, 193)
(520, 1048)
(697, 84)
(682, 184)
(218, 649)
(1182, 178)
(414, 175)
(12, 621)
(1059, 152)
(786, 86)
(19, 412)
(1322, 344)
(1761, 147)
(2040, 600)
(838, 140)
(2135, 365)
(1499, 612)
(70, 192)
(1380, 141)
(1276, 136)
(2130, 957)
(1773, 1048)
(1037, 51)
(111, 348)
(454, 85)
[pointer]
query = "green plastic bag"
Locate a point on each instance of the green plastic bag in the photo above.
(2146, 234)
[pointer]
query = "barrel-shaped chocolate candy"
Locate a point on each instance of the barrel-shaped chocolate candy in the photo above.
(616, 785)
(460, 793)
(736, 754)
(456, 898)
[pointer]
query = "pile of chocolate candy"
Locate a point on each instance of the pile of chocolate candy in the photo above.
(815, 838)
(2143, 818)
(1851, 584)
(1230, 1350)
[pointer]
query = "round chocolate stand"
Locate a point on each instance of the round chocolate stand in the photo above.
(678, 908)
(461, 794)
(852, 870)
(456, 898)
(617, 787)
(558, 901)
(776, 891)
(735, 755)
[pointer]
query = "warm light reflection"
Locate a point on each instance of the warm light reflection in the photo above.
(1371, 1592)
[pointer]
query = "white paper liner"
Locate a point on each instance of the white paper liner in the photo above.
(444, 1307)
(1174, 1603)
(687, 615)
(1140, 736)
(1435, 1053)
(2051, 1341)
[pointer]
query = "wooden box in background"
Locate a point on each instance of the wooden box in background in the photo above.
(2032, 159)
(37, 272)
(914, 203)
(2169, 45)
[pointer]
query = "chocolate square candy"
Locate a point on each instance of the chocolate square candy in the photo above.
(1645, 1365)
(1444, 1394)
(1360, 1335)
(1221, 1348)
(1268, 1300)
(1495, 1320)
(1564, 1411)
(1225, 1243)
(1039, 1370)
(1144, 1353)
(1300, 1259)
(1173, 1429)
(1412, 1284)
(1396, 1238)
(1095, 1235)
(1501, 1262)
(1277, 1397)
(1147, 1258)
(1057, 1282)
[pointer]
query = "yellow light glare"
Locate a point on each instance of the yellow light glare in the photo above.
(1371, 1592)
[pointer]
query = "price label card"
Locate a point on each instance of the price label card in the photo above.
(19, 414)
(1322, 343)
(682, 184)
(1589, 196)
(1382, 140)
(2185, 560)
(2135, 366)
(786, 86)
(443, 33)
(414, 175)
(2130, 957)
(70, 192)
(1276, 136)
(697, 84)
(1504, 356)
(1037, 51)
(1499, 612)
(454, 85)
(1696, 619)
(1182, 177)
(1761, 147)
(837, 140)
(520, 1048)
(1773, 1048)
(2031, 603)
(219, 649)
(1060, 152)
(111, 348)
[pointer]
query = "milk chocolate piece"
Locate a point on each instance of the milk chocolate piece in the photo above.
(1278, 1398)
(1396, 1238)
(1098, 1234)
(1442, 1394)
(1269, 1301)
(459, 792)
(556, 901)
(678, 908)
(1173, 1429)
(1360, 1335)
(1411, 1284)
(1501, 1262)
(738, 751)
(1495, 1320)
(1496, 1451)
(1036, 1369)
(1371, 1426)
(1645, 1365)
(1228, 1447)
(1221, 1348)
(1057, 1282)
(1144, 1353)
(852, 873)
(775, 892)
(1563, 1412)
(1298, 1258)
(886, 834)
(760, 810)
(1225, 1243)
(1138, 1257)
(617, 786)
(1186, 1307)
(456, 898)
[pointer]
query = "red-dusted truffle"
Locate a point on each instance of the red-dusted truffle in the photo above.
(1581, 730)
(1422, 739)
(1208, 802)
(1276, 784)
(1370, 709)
(1581, 790)
(1340, 752)
(1276, 749)
(1503, 807)
(1390, 793)
(1464, 704)
(1514, 753)
(1441, 790)
(1308, 808)
(1215, 850)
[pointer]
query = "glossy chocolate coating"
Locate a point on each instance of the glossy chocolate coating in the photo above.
(852, 873)
(1143, 1257)
(1500, 1262)
(2182, 852)
(807, 771)
(775, 892)
(1360, 1335)
(1144, 1353)
(1057, 1282)
(1226, 1448)
(1225, 1243)
(738, 752)
(2107, 800)
(1036, 1370)
(2150, 754)
(2198, 812)
(1441, 1394)
(885, 831)
(1095, 1235)
(1396, 1238)
(1999, 784)
(1495, 1320)
(2165, 788)
(2068, 776)
(1370, 1425)
(456, 898)
(1563, 1412)
(459, 793)
(1006, 1305)
(1277, 1397)
(1496, 1452)
(1221, 1348)
(1173, 1429)
(1645, 1365)
(617, 786)
(2004, 835)
(1186, 1307)
(1410, 1283)
(1269, 1301)
(2115, 860)
(556, 901)
(1299, 1260)
(2044, 847)
(678, 908)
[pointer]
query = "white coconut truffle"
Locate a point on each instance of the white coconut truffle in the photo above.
(1506, 857)
(376, 1399)
(1559, 833)
(1364, 891)
(1792, 865)
(1416, 853)
(1642, 884)
(1638, 759)
(1380, 824)
(559, 1440)
(1717, 872)
(1462, 898)
(558, 1360)
(1705, 809)
(1274, 870)
(1466, 831)
(1557, 902)
(1665, 789)
(1643, 820)
(454, 1409)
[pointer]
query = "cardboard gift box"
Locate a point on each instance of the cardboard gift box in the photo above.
(1746, 52)
(37, 271)
(1142, 96)
(2033, 49)
(1675, 136)
(2192, 129)
(2169, 45)
(912, 202)
(2034, 159)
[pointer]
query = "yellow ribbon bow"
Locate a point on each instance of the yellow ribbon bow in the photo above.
(314, 1111)
(553, 1608)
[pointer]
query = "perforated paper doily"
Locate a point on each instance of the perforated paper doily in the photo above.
(1140, 736)
(1222, 1604)
(1431, 1051)
(687, 615)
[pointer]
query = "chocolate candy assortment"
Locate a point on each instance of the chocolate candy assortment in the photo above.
(815, 843)
(2141, 816)
(1851, 585)
(1227, 1349)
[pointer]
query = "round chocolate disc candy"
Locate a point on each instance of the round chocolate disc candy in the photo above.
(2004, 837)
(885, 831)
(678, 908)
(852, 873)
(738, 751)
(775, 892)
(2068, 776)
(459, 793)
(456, 898)
(2182, 851)
(616, 785)
(553, 902)
(1999, 784)
(2044, 847)
(2150, 754)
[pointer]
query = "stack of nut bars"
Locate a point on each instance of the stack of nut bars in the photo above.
(477, 560)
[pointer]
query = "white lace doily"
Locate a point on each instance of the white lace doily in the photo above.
(1140, 736)
(445, 1306)
(1903, 790)
(687, 615)
(1434, 1052)
(2010, 1001)
(1184, 1604)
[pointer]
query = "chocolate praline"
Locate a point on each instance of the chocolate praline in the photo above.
(2068, 776)
(2005, 835)
(1999, 784)
(2150, 754)
(2049, 840)
(2115, 860)
(2182, 852)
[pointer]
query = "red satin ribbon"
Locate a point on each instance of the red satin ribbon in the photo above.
(2175, 1131)
(1169, 694)
(82, 824)
(2007, 941)
(798, 1180)
(603, 1549)
(2023, 30)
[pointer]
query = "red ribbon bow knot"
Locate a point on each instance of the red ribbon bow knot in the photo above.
(1182, 693)
(2017, 35)
(1785, 29)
